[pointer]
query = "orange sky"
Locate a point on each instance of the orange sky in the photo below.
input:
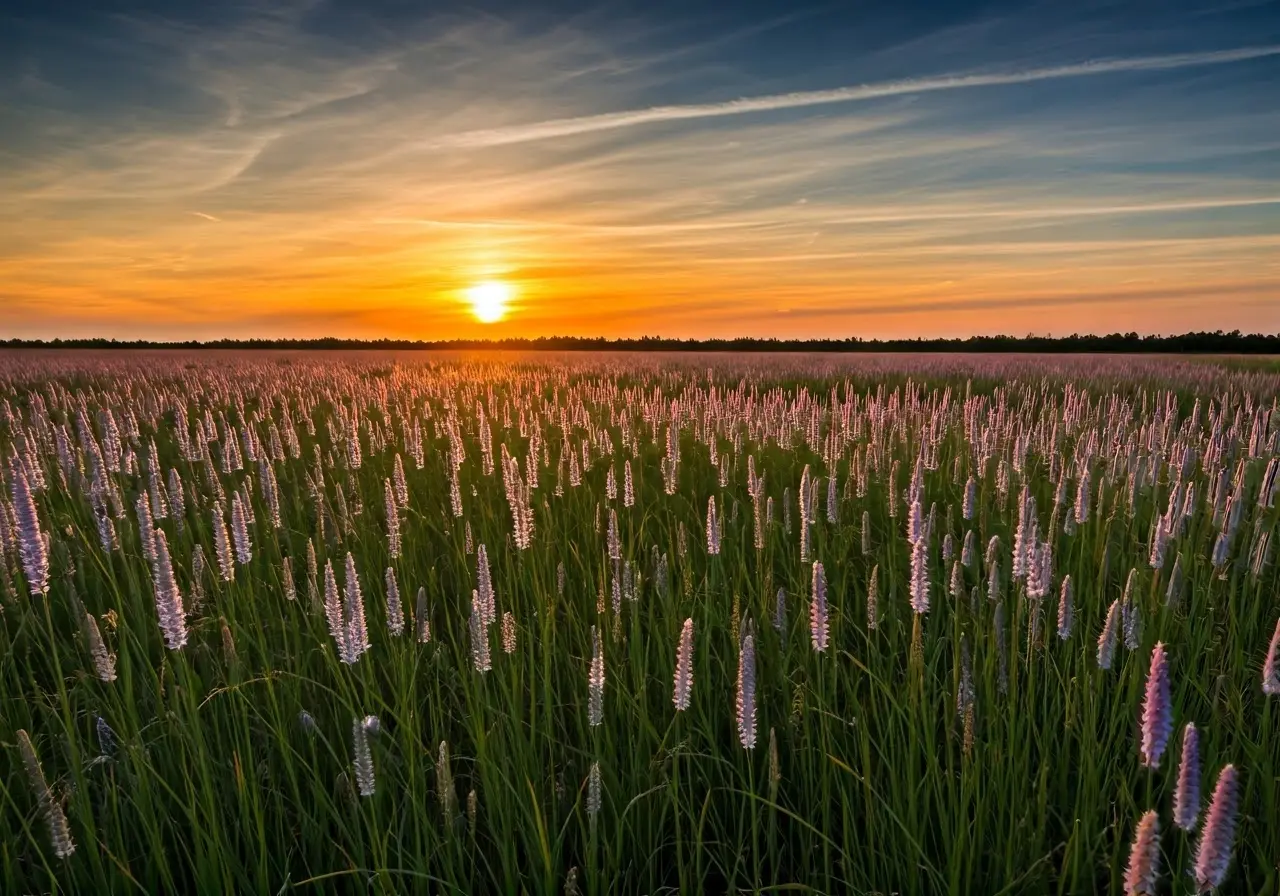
(307, 193)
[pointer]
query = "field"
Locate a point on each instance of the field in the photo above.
(594, 624)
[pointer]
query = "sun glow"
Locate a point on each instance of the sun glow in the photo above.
(489, 300)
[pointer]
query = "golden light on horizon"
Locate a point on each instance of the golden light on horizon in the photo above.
(489, 300)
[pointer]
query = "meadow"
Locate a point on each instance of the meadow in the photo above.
(609, 623)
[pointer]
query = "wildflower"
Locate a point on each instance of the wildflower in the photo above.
(747, 692)
(919, 578)
(107, 740)
(333, 611)
(966, 693)
(363, 758)
(222, 546)
(286, 574)
(818, 609)
(444, 781)
(59, 830)
(1271, 668)
(993, 568)
(1144, 857)
(1186, 798)
(1107, 640)
(422, 618)
(873, 598)
(104, 663)
(479, 636)
(968, 550)
(1066, 611)
(240, 530)
(1213, 853)
(684, 668)
(488, 607)
(780, 611)
(915, 523)
(1157, 721)
(35, 556)
(595, 681)
(168, 599)
(395, 612)
(615, 546)
(956, 589)
(270, 492)
(145, 527)
(357, 631)
(970, 498)
(393, 518)
(1023, 534)
(713, 528)
(593, 791)
(508, 633)
(398, 481)
(1082, 498)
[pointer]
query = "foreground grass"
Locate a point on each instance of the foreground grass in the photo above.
(195, 770)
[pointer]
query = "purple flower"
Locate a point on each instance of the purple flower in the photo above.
(35, 558)
(1271, 668)
(1066, 612)
(1107, 640)
(363, 757)
(747, 692)
(1157, 715)
(713, 528)
(1213, 854)
(684, 668)
(595, 681)
(1186, 798)
(395, 609)
(479, 636)
(818, 608)
(1144, 857)
(919, 577)
(168, 599)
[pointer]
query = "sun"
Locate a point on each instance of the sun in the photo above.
(489, 300)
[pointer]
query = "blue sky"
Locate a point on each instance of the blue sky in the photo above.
(202, 170)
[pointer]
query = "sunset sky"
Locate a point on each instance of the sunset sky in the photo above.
(179, 169)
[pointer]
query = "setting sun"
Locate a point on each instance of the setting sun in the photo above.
(489, 300)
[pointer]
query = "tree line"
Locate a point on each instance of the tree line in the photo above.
(1217, 342)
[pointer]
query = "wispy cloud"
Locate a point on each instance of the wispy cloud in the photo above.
(564, 127)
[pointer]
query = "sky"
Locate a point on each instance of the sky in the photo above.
(176, 169)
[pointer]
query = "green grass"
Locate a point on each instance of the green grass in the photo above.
(216, 786)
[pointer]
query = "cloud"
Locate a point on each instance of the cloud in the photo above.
(564, 127)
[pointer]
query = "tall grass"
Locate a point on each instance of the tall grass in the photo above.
(893, 760)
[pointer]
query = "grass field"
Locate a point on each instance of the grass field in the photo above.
(632, 624)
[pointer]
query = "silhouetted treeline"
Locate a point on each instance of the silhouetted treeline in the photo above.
(1216, 342)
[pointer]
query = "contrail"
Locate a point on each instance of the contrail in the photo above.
(564, 127)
